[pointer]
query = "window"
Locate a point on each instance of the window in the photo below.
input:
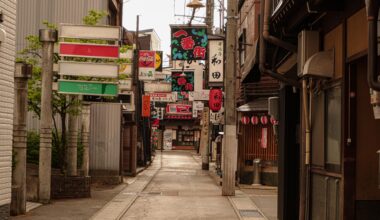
(333, 128)
(242, 45)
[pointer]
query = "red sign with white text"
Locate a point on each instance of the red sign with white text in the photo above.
(145, 106)
(89, 50)
(179, 109)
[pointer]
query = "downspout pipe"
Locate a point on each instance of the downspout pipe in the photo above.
(265, 12)
(372, 7)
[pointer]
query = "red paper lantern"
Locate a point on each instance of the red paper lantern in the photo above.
(244, 120)
(264, 120)
(215, 99)
(273, 121)
(255, 120)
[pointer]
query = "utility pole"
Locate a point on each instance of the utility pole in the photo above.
(210, 16)
(72, 140)
(230, 138)
(205, 135)
(47, 37)
(86, 110)
(136, 90)
(18, 202)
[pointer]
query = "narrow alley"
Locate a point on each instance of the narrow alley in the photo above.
(174, 187)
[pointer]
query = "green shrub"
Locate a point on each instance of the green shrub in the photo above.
(33, 147)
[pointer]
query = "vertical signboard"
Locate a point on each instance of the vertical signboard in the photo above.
(158, 61)
(145, 106)
(216, 61)
(146, 64)
(189, 43)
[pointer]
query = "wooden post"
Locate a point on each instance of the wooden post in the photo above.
(48, 37)
(230, 138)
(205, 138)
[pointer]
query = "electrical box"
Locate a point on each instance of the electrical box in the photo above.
(308, 45)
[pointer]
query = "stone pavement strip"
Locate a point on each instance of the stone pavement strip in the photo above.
(121, 202)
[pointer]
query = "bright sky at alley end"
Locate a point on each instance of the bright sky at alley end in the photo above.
(159, 14)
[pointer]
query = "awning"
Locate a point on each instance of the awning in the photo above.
(260, 104)
(251, 72)
(321, 64)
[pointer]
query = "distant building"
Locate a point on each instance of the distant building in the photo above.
(34, 12)
(7, 60)
(149, 40)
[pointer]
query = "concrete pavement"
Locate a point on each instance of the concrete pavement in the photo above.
(173, 187)
(178, 189)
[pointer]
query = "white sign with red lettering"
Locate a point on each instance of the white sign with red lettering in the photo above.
(162, 97)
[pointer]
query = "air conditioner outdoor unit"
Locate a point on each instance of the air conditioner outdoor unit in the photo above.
(308, 45)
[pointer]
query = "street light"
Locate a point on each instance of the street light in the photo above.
(194, 4)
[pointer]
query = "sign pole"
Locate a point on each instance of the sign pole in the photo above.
(48, 37)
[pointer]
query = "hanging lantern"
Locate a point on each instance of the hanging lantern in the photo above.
(244, 120)
(215, 99)
(273, 121)
(255, 120)
(264, 120)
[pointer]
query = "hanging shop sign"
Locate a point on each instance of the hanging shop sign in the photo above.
(87, 88)
(146, 64)
(162, 97)
(201, 95)
(179, 109)
(157, 87)
(126, 69)
(101, 70)
(163, 76)
(97, 32)
(217, 117)
(88, 50)
(189, 42)
(216, 61)
(145, 106)
(182, 81)
(125, 85)
(215, 99)
(244, 120)
(198, 105)
(88, 69)
(158, 61)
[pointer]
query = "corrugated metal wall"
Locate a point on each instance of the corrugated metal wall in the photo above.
(105, 138)
(33, 12)
(7, 63)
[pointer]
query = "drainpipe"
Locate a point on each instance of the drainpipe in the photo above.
(265, 11)
(372, 7)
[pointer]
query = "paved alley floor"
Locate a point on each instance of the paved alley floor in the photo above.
(174, 187)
